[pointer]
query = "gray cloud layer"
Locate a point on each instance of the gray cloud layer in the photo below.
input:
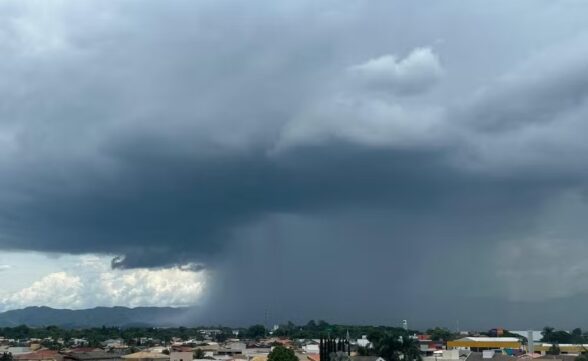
(389, 156)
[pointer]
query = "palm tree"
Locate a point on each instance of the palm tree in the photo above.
(388, 347)
(410, 349)
(547, 333)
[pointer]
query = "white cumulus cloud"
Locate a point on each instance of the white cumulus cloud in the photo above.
(355, 115)
(59, 290)
(416, 73)
(90, 283)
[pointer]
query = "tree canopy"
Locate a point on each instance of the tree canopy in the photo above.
(281, 353)
(256, 331)
(440, 334)
(558, 336)
(391, 346)
(554, 349)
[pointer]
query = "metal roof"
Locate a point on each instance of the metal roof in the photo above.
(490, 339)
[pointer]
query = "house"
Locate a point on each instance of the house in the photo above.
(366, 358)
(363, 341)
(232, 348)
(428, 346)
(42, 355)
(490, 355)
(92, 356)
(146, 356)
(313, 357)
(16, 350)
(113, 343)
(448, 355)
(181, 356)
(209, 347)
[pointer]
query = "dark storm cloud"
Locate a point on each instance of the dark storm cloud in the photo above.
(242, 137)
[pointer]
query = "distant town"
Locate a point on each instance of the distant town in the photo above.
(314, 341)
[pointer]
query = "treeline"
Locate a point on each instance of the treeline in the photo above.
(552, 335)
(316, 329)
(312, 329)
(131, 335)
(96, 335)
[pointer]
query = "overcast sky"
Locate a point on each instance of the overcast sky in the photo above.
(354, 161)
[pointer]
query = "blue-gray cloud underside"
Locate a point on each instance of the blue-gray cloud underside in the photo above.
(367, 152)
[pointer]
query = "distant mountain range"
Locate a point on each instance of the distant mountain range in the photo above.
(97, 317)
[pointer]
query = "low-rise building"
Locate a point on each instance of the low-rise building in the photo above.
(181, 356)
(366, 358)
(92, 356)
(485, 343)
(565, 349)
(146, 356)
(490, 355)
(42, 355)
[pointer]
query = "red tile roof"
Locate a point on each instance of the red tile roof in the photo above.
(40, 355)
(314, 357)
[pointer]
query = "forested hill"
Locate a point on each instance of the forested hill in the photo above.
(96, 317)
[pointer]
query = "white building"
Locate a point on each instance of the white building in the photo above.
(180, 356)
(363, 341)
(311, 348)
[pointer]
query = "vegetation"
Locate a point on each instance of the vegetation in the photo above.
(440, 334)
(256, 332)
(316, 329)
(96, 335)
(339, 356)
(280, 353)
(583, 356)
(198, 354)
(6, 356)
(131, 335)
(391, 346)
(554, 350)
(368, 351)
(552, 335)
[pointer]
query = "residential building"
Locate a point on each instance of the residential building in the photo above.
(181, 356)
(363, 341)
(42, 355)
(146, 356)
(366, 358)
(92, 356)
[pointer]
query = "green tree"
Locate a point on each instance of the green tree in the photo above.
(583, 356)
(256, 331)
(281, 353)
(547, 334)
(6, 356)
(338, 356)
(367, 351)
(410, 348)
(440, 334)
(561, 337)
(388, 347)
(198, 353)
(554, 350)
(578, 336)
